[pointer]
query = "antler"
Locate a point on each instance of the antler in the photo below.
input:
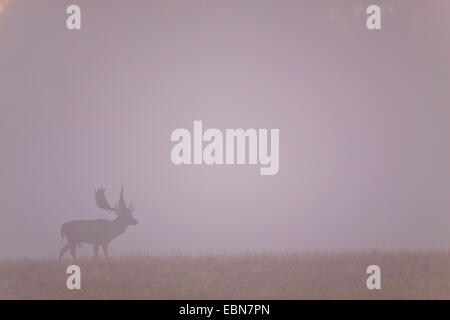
(119, 208)
(101, 201)
(131, 207)
(121, 205)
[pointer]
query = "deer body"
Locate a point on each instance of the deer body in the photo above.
(99, 232)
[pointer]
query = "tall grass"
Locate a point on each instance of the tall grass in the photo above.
(405, 275)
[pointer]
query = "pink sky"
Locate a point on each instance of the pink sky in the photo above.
(363, 117)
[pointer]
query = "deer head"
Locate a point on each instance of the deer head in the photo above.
(123, 211)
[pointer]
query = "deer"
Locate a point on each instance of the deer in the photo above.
(98, 232)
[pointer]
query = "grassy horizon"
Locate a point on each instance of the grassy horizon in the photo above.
(404, 275)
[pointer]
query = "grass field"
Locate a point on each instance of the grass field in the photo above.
(405, 275)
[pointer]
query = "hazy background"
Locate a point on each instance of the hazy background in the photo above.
(364, 123)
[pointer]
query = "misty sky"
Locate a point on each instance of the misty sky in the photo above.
(364, 123)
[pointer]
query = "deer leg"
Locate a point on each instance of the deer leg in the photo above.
(105, 250)
(95, 251)
(63, 250)
(72, 251)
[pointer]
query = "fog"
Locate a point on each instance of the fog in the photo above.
(363, 116)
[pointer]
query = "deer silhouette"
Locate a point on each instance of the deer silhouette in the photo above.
(98, 232)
